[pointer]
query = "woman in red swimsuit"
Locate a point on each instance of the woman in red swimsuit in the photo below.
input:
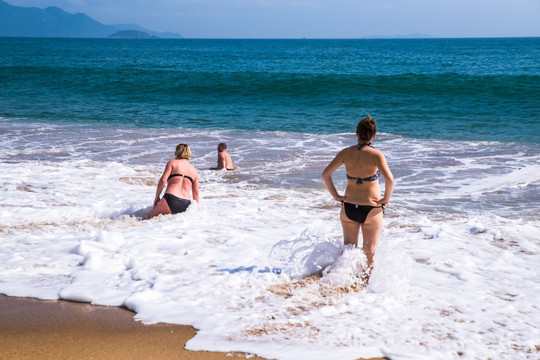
(363, 206)
(181, 179)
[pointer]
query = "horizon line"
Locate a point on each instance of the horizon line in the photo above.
(377, 37)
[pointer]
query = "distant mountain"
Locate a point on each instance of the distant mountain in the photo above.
(55, 22)
(132, 34)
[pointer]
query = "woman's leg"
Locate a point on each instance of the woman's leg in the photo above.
(351, 229)
(371, 233)
(161, 208)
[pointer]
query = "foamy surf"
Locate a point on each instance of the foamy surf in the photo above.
(456, 270)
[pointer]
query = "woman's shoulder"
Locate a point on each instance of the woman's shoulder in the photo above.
(180, 164)
(376, 152)
(190, 168)
(372, 150)
(349, 149)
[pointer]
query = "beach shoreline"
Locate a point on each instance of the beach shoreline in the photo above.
(58, 329)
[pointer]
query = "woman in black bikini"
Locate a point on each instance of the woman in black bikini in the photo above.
(363, 206)
(181, 179)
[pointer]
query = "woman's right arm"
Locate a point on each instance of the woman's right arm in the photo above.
(327, 176)
(388, 179)
(195, 188)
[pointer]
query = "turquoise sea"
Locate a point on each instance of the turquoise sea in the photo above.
(453, 89)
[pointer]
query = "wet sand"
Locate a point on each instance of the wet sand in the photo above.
(37, 329)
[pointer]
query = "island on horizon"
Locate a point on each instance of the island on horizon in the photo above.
(132, 34)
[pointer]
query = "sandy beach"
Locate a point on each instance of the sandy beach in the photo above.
(37, 329)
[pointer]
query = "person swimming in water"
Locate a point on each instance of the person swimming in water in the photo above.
(362, 205)
(181, 179)
(224, 160)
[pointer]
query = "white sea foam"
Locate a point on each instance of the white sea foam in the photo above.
(259, 265)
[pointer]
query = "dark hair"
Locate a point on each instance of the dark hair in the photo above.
(366, 129)
(222, 146)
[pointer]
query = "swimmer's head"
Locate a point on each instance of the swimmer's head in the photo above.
(222, 146)
(182, 152)
(366, 130)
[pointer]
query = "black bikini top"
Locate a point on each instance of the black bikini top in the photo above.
(371, 178)
(184, 176)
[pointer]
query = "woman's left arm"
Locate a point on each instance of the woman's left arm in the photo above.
(388, 179)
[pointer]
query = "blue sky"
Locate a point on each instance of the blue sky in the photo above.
(313, 18)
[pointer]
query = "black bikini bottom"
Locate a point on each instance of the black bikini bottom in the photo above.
(176, 204)
(359, 213)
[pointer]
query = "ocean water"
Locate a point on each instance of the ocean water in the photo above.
(453, 89)
(87, 126)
